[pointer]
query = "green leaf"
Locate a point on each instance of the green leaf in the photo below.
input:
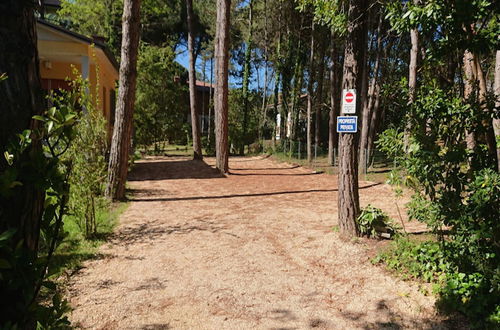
(39, 118)
(7, 234)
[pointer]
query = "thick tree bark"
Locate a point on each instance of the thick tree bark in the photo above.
(310, 96)
(195, 125)
(496, 121)
(222, 87)
(348, 197)
(122, 133)
(20, 100)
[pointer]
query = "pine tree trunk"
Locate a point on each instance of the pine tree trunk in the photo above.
(246, 79)
(469, 80)
(412, 75)
(20, 100)
(264, 92)
(368, 105)
(348, 204)
(496, 121)
(488, 124)
(375, 119)
(222, 87)
(122, 133)
(319, 101)
(310, 96)
(334, 101)
(195, 125)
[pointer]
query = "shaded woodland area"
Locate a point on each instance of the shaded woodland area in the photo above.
(426, 74)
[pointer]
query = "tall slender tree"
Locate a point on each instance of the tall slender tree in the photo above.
(195, 125)
(348, 143)
(412, 72)
(222, 85)
(310, 85)
(496, 121)
(246, 77)
(122, 133)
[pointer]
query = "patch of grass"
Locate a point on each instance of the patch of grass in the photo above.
(74, 249)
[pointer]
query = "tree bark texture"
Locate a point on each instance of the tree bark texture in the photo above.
(488, 124)
(348, 197)
(21, 99)
(412, 75)
(221, 86)
(122, 133)
(496, 121)
(310, 96)
(195, 125)
(469, 79)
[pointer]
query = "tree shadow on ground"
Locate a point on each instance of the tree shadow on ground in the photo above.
(157, 326)
(149, 232)
(264, 168)
(170, 170)
(275, 174)
(396, 321)
(192, 198)
(388, 319)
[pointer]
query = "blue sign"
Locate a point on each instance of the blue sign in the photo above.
(347, 124)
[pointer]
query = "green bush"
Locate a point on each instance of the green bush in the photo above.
(89, 167)
(373, 222)
(457, 194)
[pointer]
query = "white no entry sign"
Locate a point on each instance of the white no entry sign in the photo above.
(349, 101)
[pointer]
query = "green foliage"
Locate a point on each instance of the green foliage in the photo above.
(373, 222)
(161, 99)
(93, 17)
(87, 155)
(327, 12)
(419, 260)
(454, 20)
(237, 135)
(22, 271)
(455, 189)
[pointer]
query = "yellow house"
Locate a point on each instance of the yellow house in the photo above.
(60, 49)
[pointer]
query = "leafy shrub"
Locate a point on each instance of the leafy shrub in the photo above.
(373, 222)
(23, 271)
(424, 260)
(89, 166)
(457, 194)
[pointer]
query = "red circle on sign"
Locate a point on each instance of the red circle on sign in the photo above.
(349, 97)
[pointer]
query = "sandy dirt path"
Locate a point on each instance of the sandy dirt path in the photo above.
(254, 250)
